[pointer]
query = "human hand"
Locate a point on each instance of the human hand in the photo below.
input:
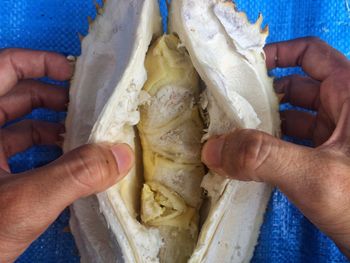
(316, 180)
(31, 201)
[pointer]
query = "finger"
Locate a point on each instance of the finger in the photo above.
(334, 91)
(22, 135)
(28, 95)
(317, 58)
(298, 124)
(32, 201)
(19, 64)
(324, 127)
(299, 91)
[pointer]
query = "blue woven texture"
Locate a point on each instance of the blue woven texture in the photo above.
(286, 236)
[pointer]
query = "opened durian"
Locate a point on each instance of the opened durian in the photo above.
(164, 96)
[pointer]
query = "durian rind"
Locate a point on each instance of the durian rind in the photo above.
(228, 55)
(103, 108)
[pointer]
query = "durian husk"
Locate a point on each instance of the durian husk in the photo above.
(104, 99)
(228, 55)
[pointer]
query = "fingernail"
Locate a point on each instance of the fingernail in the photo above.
(124, 157)
(72, 61)
(212, 151)
(71, 58)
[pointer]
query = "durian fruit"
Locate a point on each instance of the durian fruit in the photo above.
(164, 112)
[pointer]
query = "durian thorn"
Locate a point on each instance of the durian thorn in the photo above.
(90, 20)
(230, 4)
(81, 37)
(244, 16)
(259, 21)
(265, 31)
(99, 9)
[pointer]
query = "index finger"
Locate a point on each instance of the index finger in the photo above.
(18, 64)
(315, 56)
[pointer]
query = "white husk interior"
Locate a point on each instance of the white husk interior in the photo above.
(228, 55)
(105, 94)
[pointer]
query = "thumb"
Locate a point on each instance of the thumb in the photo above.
(84, 171)
(315, 180)
(251, 155)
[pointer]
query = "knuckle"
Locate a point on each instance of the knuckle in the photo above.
(321, 46)
(315, 40)
(34, 95)
(90, 166)
(33, 127)
(291, 81)
(253, 149)
(7, 52)
(297, 79)
(7, 55)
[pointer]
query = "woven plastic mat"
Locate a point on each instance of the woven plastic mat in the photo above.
(286, 235)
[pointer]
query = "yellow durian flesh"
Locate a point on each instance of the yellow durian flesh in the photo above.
(170, 120)
(170, 129)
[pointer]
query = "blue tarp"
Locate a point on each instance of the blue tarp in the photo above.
(286, 236)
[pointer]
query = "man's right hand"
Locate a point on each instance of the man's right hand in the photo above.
(316, 180)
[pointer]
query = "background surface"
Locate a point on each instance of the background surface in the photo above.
(286, 235)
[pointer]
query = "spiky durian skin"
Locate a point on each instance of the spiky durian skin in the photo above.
(170, 130)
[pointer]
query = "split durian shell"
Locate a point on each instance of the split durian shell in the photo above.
(227, 52)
